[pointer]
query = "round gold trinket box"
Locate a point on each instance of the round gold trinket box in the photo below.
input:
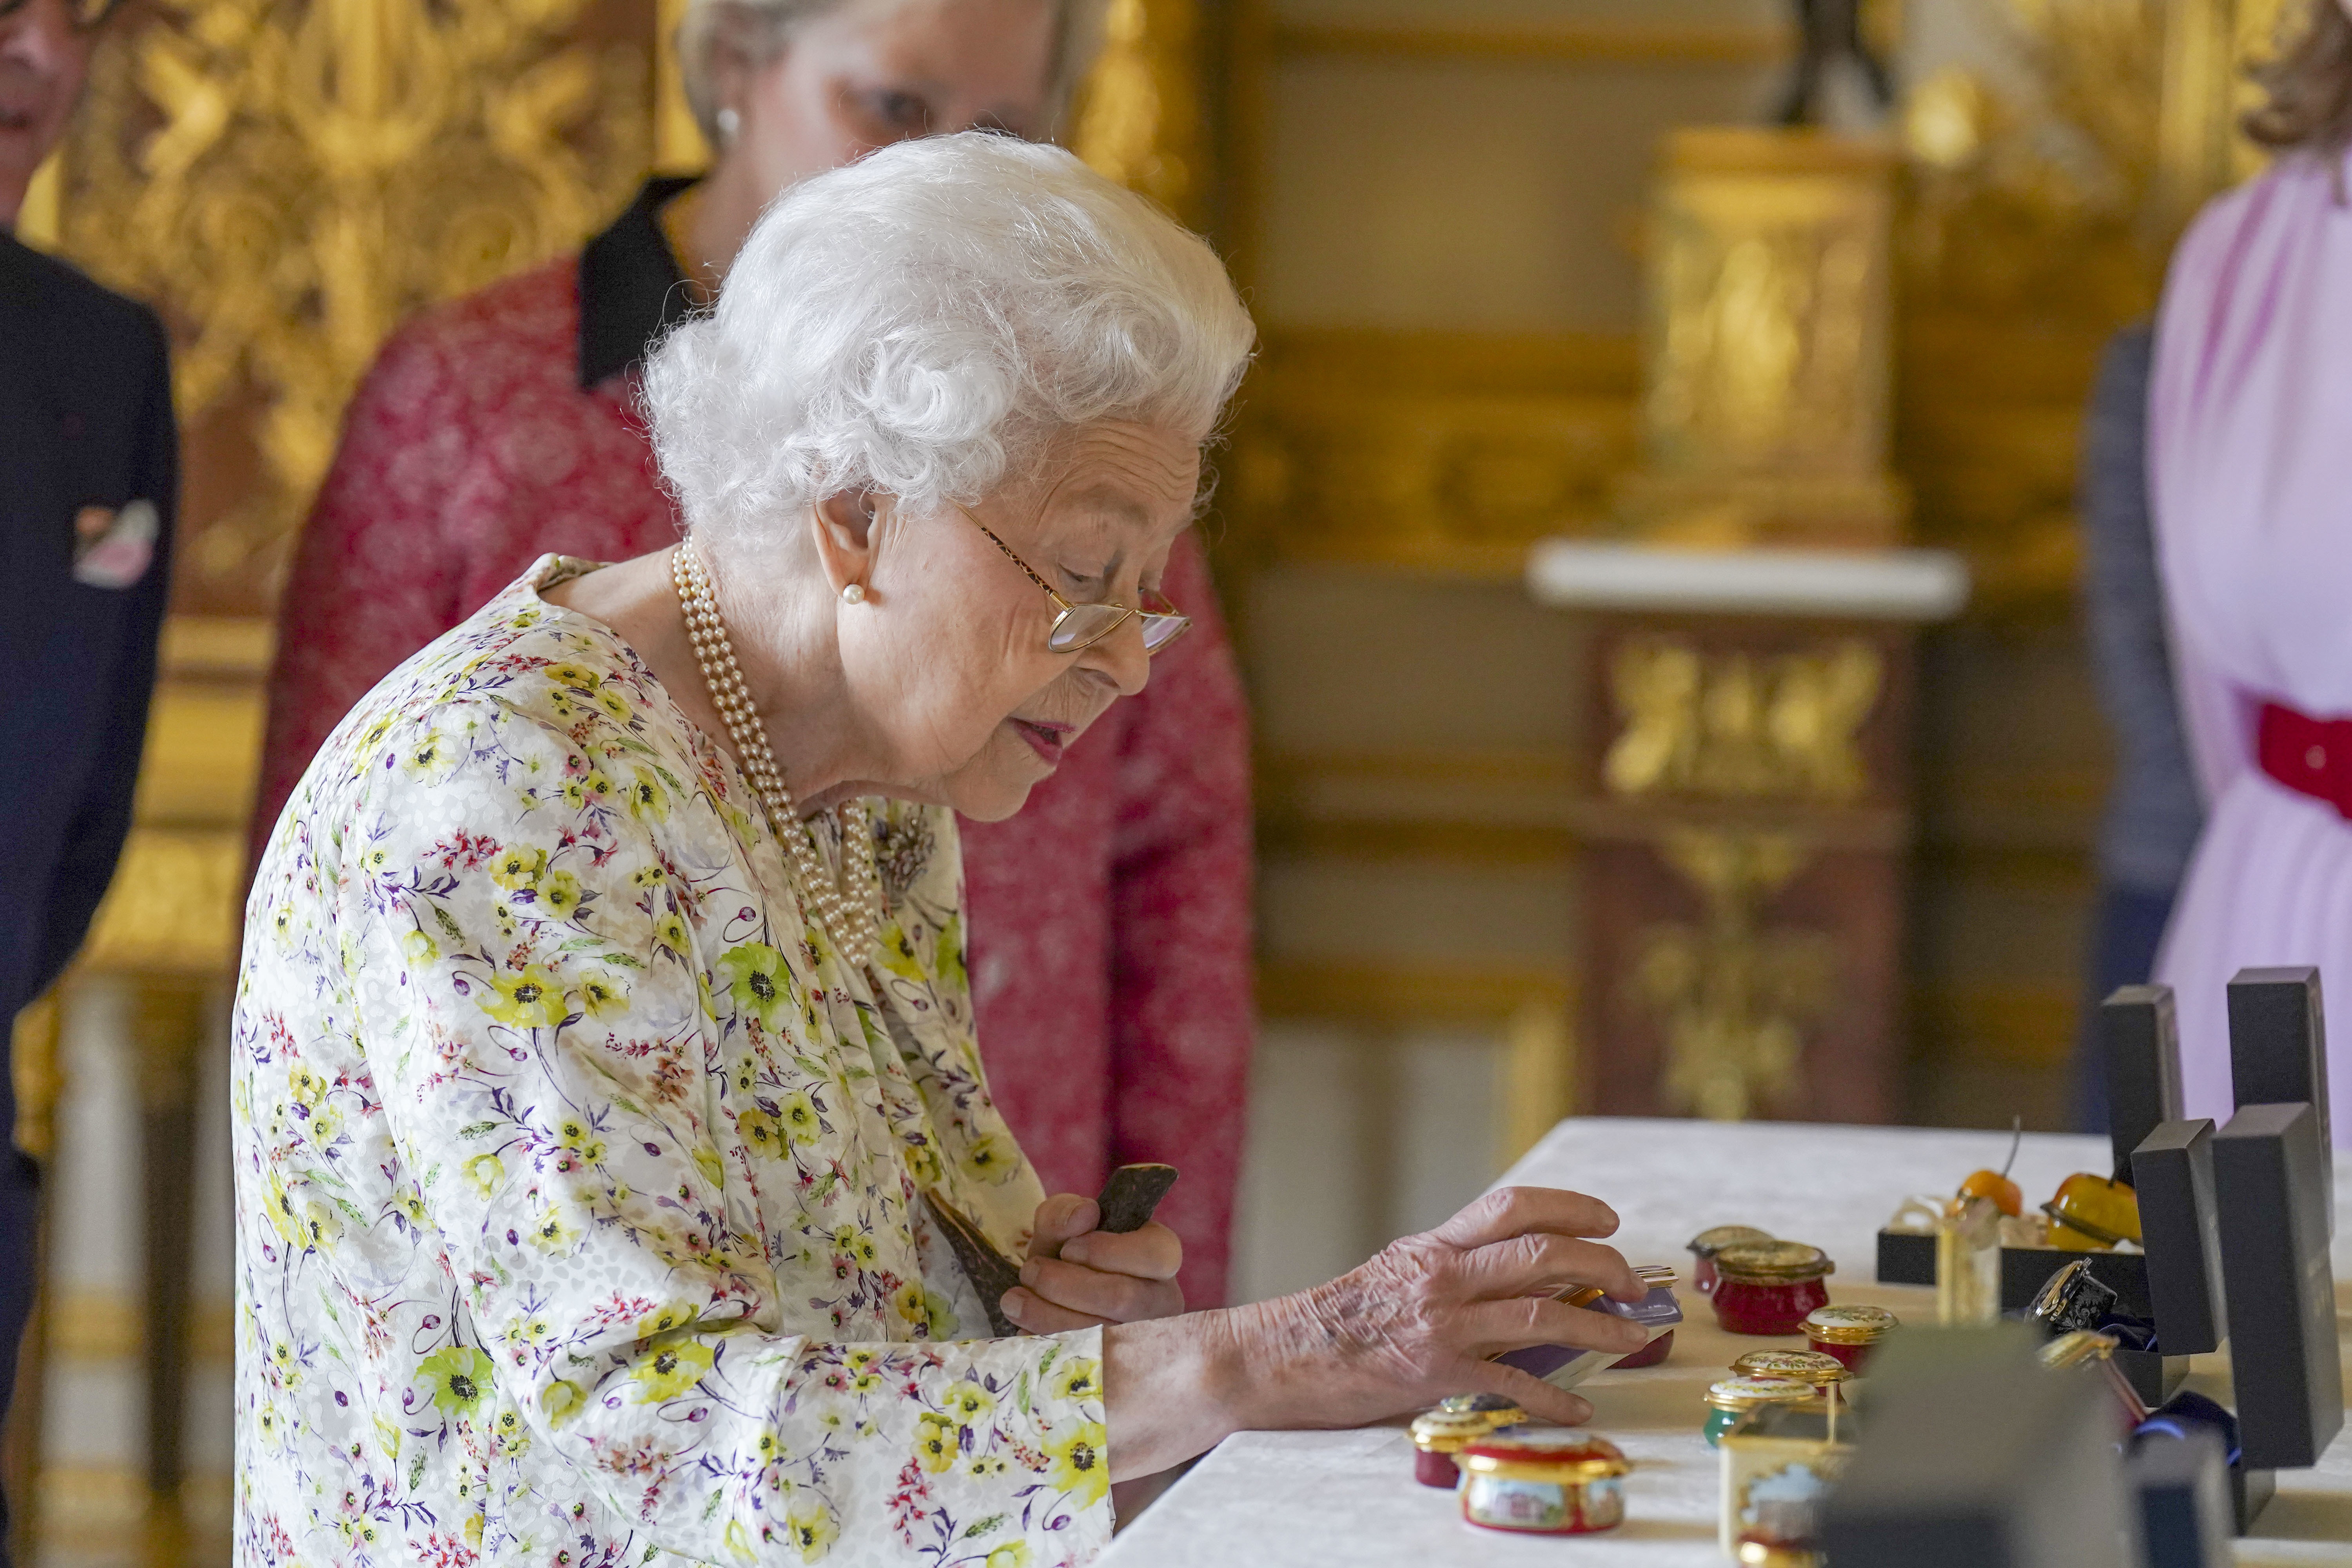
(1815, 1367)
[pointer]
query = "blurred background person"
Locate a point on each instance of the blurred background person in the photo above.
(2251, 473)
(2149, 828)
(505, 425)
(89, 482)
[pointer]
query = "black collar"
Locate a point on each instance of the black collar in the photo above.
(631, 290)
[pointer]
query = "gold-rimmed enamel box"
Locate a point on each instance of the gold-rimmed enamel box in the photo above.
(1779, 1464)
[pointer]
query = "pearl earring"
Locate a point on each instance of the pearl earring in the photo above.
(728, 123)
(854, 594)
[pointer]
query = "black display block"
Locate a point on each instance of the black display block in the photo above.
(2278, 1052)
(2270, 1177)
(2142, 1049)
(2172, 1173)
(1905, 1257)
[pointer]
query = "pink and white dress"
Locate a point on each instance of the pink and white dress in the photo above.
(2250, 464)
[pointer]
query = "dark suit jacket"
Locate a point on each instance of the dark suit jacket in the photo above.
(85, 421)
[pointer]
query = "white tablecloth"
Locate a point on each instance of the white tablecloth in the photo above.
(1306, 1498)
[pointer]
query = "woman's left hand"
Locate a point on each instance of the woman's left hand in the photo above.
(1080, 1277)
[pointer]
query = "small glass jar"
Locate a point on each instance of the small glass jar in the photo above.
(1707, 1242)
(1543, 1480)
(1734, 1398)
(1439, 1434)
(1823, 1372)
(1849, 1333)
(1770, 1287)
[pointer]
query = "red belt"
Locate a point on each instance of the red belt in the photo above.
(2310, 757)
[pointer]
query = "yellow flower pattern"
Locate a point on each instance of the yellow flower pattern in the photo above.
(574, 1164)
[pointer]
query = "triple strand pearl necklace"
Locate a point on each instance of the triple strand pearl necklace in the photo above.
(852, 919)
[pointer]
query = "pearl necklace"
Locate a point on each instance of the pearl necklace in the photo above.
(852, 921)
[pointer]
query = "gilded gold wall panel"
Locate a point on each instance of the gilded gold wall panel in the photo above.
(1140, 116)
(289, 180)
(1446, 452)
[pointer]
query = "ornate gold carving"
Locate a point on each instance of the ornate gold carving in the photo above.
(2042, 201)
(1449, 454)
(1139, 116)
(1734, 997)
(172, 906)
(290, 179)
(2029, 198)
(1767, 342)
(1740, 725)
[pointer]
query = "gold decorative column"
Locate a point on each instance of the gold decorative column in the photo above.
(1744, 791)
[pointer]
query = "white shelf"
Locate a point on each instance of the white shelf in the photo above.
(1870, 584)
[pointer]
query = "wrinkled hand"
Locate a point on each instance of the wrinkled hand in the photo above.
(1418, 1322)
(1078, 1276)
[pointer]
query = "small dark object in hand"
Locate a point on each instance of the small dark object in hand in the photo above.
(1127, 1202)
(1130, 1196)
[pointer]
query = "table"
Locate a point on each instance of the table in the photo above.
(1306, 1498)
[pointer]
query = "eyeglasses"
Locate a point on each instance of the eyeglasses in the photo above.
(1079, 626)
(85, 15)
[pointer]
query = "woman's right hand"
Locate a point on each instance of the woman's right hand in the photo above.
(1416, 1323)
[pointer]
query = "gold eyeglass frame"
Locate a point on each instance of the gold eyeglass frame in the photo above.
(1064, 609)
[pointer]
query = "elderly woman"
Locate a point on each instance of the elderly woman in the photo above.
(1111, 970)
(605, 1058)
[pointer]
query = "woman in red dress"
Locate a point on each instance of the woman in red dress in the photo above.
(504, 426)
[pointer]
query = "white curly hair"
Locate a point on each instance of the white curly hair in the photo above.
(923, 321)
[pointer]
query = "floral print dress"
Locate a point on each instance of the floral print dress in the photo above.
(578, 1179)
